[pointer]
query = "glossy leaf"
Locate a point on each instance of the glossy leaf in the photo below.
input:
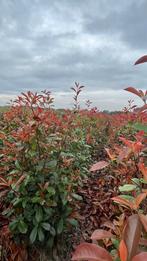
(60, 226)
(143, 219)
(127, 188)
(13, 225)
(46, 226)
(142, 109)
(40, 234)
(76, 196)
(142, 59)
(22, 226)
(132, 234)
(101, 234)
(123, 253)
(33, 235)
(122, 201)
(133, 90)
(139, 93)
(20, 180)
(139, 199)
(143, 170)
(140, 257)
(91, 252)
(39, 214)
(99, 165)
(140, 127)
(52, 231)
(73, 222)
(110, 154)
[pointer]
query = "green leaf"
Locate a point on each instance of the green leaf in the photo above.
(51, 164)
(115, 243)
(73, 222)
(6, 211)
(14, 171)
(143, 181)
(16, 200)
(127, 188)
(60, 226)
(13, 225)
(52, 231)
(39, 214)
(50, 242)
(33, 235)
(34, 145)
(17, 165)
(67, 154)
(128, 197)
(136, 181)
(114, 253)
(140, 127)
(67, 211)
(76, 196)
(48, 211)
(24, 203)
(22, 226)
(36, 199)
(46, 226)
(51, 191)
(64, 201)
(40, 165)
(40, 234)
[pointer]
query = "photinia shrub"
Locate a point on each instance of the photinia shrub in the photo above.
(43, 160)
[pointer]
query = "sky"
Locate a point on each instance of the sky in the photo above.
(50, 44)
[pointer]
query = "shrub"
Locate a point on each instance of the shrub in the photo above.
(43, 159)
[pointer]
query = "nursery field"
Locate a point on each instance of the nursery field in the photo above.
(73, 183)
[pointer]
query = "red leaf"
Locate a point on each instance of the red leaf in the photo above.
(101, 234)
(131, 235)
(3, 180)
(143, 108)
(99, 165)
(142, 59)
(111, 155)
(122, 201)
(143, 169)
(123, 253)
(124, 154)
(108, 224)
(139, 199)
(133, 90)
(19, 181)
(3, 193)
(91, 252)
(143, 219)
(140, 257)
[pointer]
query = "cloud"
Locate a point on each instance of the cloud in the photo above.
(126, 19)
(50, 44)
(101, 99)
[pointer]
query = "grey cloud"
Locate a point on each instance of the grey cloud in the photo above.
(128, 21)
(51, 44)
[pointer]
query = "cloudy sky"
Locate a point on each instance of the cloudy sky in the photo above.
(50, 44)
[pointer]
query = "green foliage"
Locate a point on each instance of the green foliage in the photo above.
(45, 154)
(43, 161)
(140, 127)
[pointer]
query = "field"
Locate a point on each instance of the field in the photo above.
(3, 108)
(73, 183)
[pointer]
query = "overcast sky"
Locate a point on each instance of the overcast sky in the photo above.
(50, 44)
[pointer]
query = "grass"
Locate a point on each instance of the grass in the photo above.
(3, 108)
